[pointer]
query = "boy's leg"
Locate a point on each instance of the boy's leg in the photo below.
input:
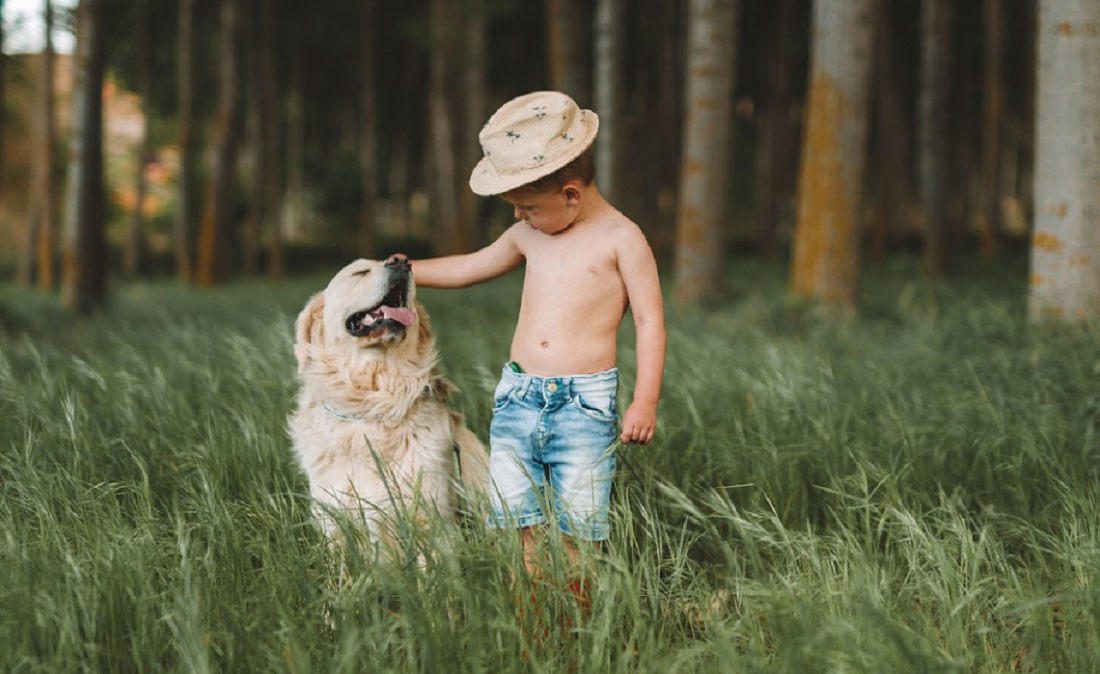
(581, 463)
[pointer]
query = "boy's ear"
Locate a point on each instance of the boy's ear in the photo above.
(309, 328)
(572, 191)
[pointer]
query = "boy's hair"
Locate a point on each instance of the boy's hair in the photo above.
(582, 168)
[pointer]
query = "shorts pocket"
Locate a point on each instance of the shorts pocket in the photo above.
(598, 405)
(502, 395)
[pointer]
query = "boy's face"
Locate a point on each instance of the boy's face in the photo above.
(549, 212)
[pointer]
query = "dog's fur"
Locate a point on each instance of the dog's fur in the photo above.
(372, 429)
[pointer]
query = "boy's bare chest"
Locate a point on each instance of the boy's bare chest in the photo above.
(583, 262)
(571, 253)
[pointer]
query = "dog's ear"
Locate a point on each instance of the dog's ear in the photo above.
(309, 328)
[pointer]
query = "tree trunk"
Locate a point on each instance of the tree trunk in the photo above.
(272, 167)
(774, 144)
(294, 213)
(252, 229)
(368, 129)
(701, 224)
(25, 270)
(892, 158)
(826, 247)
(40, 235)
(662, 109)
(47, 225)
(84, 273)
(566, 38)
(1027, 135)
(185, 236)
(397, 187)
(444, 196)
(3, 82)
(1065, 248)
(992, 128)
(135, 244)
(933, 130)
(217, 208)
(475, 114)
(609, 49)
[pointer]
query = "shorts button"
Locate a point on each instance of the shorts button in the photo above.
(552, 387)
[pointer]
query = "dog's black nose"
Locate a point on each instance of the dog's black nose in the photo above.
(398, 260)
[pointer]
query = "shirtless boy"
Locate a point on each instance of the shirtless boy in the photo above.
(555, 410)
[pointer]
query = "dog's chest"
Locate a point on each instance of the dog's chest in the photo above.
(421, 438)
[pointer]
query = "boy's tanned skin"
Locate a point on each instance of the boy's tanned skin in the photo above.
(586, 264)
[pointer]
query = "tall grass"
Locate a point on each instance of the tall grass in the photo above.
(914, 490)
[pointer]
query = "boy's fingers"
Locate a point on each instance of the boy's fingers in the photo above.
(637, 436)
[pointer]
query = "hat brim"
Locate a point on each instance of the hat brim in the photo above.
(485, 181)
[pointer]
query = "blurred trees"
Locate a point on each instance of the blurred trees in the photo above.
(39, 244)
(217, 208)
(443, 180)
(350, 126)
(135, 239)
(184, 232)
(775, 132)
(607, 58)
(368, 131)
(567, 22)
(933, 132)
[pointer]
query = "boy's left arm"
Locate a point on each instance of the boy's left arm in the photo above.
(643, 289)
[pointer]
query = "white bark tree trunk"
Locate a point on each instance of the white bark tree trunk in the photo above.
(701, 214)
(1065, 248)
(830, 189)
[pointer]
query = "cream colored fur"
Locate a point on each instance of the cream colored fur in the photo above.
(395, 447)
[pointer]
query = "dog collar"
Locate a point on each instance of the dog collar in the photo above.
(338, 414)
(332, 411)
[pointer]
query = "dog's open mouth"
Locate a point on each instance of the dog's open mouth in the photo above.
(391, 312)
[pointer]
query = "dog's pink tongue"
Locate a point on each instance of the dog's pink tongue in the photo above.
(400, 314)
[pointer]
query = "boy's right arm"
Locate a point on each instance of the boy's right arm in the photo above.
(460, 271)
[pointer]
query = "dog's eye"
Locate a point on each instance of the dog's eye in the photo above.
(361, 272)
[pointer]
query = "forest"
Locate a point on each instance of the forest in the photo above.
(350, 127)
(876, 224)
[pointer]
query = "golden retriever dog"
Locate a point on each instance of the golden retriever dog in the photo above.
(372, 429)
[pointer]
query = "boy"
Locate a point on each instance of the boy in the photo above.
(554, 418)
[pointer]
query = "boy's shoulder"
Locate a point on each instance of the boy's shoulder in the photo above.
(621, 231)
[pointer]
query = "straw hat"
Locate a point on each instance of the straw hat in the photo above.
(529, 138)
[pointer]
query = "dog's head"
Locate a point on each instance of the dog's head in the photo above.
(368, 310)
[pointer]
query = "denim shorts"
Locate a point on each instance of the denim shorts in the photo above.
(552, 452)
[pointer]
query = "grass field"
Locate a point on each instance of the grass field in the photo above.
(914, 490)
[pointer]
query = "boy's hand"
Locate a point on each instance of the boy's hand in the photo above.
(639, 423)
